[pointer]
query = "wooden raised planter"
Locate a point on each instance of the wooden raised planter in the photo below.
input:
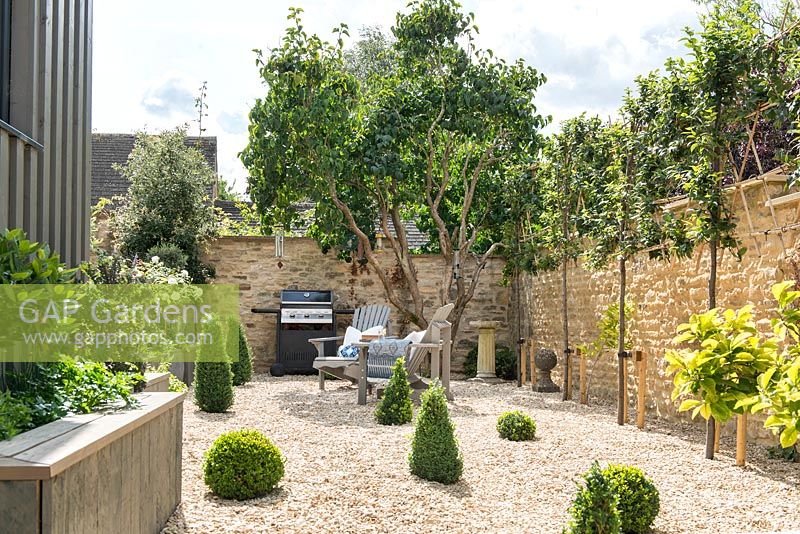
(156, 382)
(117, 471)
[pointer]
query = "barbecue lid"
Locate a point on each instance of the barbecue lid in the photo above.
(299, 296)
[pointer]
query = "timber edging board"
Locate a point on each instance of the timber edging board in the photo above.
(46, 451)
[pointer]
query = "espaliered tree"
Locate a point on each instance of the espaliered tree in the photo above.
(619, 211)
(724, 78)
(555, 226)
(434, 139)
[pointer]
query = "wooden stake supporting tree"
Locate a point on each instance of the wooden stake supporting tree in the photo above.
(741, 439)
(584, 391)
(641, 388)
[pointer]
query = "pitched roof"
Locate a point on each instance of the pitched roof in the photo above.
(111, 148)
(230, 208)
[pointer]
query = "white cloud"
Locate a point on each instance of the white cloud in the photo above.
(147, 68)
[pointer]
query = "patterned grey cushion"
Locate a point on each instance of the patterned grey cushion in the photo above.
(382, 355)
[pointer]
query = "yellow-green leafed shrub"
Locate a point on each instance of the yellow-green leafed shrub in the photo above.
(516, 426)
(779, 386)
(243, 464)
(719, 368)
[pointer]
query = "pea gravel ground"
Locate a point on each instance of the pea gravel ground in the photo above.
(345, 473)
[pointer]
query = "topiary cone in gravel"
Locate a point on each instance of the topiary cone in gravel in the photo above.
(243, 367)
(213, 386)
(395, 407)
(434, 450)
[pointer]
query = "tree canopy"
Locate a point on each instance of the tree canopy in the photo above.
(436, 139)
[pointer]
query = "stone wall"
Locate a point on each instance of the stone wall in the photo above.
(665, 294)
(251, 263)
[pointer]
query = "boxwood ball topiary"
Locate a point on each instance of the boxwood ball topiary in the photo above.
(395, 407)
(594, 509)
(637, 495)
(434, 450)
(213, 386)
(516, 426)
(242, 464)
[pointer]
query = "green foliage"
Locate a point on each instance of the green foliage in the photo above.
(436, 138)
(242, 464)
(595, 507)
(566, 166)
(167, 199)
(112, 268)
(395, 407)
(434, 450)
(778, 388)
(720, 371)
(608, 330)
(50, 391)
(249, 225)
(26, 262)
(516, 426)
(225, 190)
(637, 497)
(243, 367)
(505, 363)
(213, 386)
(789, 454)
(176, 385)
(15, 416)
(170, 255)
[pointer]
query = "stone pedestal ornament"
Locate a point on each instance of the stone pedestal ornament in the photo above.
(545, 360)
(486, 348)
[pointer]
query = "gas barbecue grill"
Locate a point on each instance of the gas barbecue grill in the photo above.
(304, 315)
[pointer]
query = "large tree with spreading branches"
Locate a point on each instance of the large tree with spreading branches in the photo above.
(437, 135)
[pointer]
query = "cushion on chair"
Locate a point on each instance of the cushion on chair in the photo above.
(348, 351)
(351, 335)
(415, 337)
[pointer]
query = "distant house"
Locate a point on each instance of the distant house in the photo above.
(111, 149)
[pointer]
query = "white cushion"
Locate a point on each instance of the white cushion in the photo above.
(415, 337)
(374, 331)
(351, 335)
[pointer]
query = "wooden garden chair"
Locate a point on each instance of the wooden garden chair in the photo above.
(364, 318)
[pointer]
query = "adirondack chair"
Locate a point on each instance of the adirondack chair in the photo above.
(435, 340)
(364, 318)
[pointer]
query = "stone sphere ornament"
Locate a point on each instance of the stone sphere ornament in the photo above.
(545, 360)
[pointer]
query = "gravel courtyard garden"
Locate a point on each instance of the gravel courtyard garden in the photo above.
(345, 472)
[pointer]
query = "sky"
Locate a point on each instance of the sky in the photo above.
(151, 57)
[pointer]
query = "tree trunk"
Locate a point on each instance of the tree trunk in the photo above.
(565, 322)
(518, 326)
(712, 303)
(621, 354)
